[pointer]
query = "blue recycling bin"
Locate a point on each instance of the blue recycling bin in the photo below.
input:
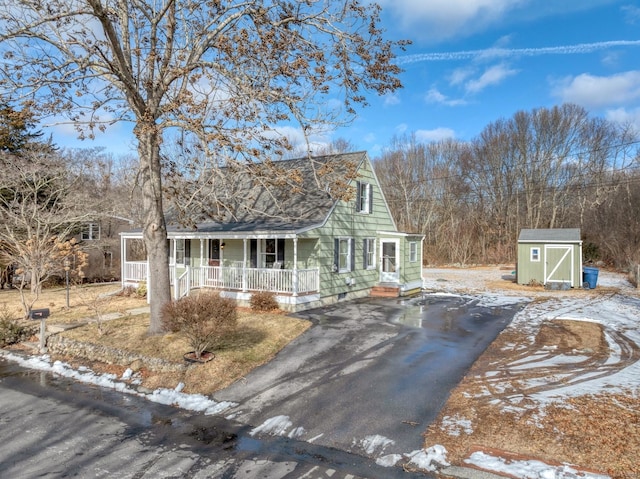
(589, 277)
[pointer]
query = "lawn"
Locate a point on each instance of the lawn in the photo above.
(257, 339)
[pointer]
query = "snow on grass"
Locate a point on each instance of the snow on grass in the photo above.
(430, 459)
(455, 425)
(173, 397)
(528, 469)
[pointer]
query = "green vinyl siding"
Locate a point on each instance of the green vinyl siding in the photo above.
(346, 222)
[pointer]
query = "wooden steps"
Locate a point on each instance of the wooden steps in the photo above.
(385, 291)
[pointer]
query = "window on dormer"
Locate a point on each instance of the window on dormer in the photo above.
(364, 199)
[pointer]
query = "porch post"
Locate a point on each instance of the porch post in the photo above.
(295, 266)
(244, 265)
(123, 258)
(201, 267)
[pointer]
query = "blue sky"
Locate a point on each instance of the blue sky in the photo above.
(473, 62)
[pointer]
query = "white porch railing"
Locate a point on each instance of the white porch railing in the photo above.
(283, 281)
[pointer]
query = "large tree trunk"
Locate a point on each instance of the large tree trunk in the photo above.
(154, 227)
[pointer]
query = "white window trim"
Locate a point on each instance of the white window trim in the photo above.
(533, 256)
(90, 232)
(262, 252)
(371, 253)
(413, 252)
(363, 198)
(180, 261)
(347, 268)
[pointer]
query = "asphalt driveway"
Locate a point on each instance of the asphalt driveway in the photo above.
(371, 374)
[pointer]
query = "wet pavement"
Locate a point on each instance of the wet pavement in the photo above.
(357, 388)
(371, 375)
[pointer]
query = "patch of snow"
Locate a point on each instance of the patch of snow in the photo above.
(192, 402)
(275, 426)
(430, 459)
(389, 460)
(370, 443)
(528, 469)
(296, 432)
(456, 425)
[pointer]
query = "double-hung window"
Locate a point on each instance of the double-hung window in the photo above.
(369, 253)
(343, 255)
(364, 199)
(413, 252)
(91, 232)
(183, 251)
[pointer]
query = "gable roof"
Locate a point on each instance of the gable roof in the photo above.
(556, 235)
(284, 196)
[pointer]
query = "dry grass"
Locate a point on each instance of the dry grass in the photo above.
(598, 433)
(79, 302)
(256, 341)
(594, 432)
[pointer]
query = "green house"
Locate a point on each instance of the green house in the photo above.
(550, 257)
(307, 244)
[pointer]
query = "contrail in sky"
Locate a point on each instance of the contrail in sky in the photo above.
(511, 52)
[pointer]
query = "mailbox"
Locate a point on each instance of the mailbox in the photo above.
(39, 313)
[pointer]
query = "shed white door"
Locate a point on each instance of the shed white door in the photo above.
(558, 264)
(389, 266)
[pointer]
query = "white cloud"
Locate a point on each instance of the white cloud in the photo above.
(440, 19)
(625, 117)
(401, 128)
(436, 134)
(460, 75)
(632, 14)
(593, 91)
(391, 99)
(434, 96)
(492, 76)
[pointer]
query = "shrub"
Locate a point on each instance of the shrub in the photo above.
(203, 319)
(141, 290)
(263, 301)
(11, 332)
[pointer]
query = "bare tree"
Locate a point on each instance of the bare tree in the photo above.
(228, 72)
(38, 213)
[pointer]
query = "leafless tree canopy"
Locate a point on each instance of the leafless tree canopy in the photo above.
(225, 72)
(547, 168)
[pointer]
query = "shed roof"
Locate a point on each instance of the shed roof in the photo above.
(550, 235)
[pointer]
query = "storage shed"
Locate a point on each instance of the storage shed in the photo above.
(551, 257)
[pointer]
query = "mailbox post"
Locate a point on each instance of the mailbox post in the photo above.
(42, 315)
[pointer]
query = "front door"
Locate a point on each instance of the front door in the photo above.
(389, 264)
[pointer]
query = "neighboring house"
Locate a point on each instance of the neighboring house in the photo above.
(100, 239)
(550, 257)
(298, 242)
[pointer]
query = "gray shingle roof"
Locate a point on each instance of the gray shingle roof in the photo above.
(260, 202)
(542, 235)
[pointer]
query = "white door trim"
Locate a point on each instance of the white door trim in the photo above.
(390, 265)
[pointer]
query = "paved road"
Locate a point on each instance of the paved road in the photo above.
(361, 385)
(371, 375)
(53, 427)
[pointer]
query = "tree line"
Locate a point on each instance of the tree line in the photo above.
(553, 167)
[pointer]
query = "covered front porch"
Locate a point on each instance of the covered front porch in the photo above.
(236, 266)
(236, 278)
